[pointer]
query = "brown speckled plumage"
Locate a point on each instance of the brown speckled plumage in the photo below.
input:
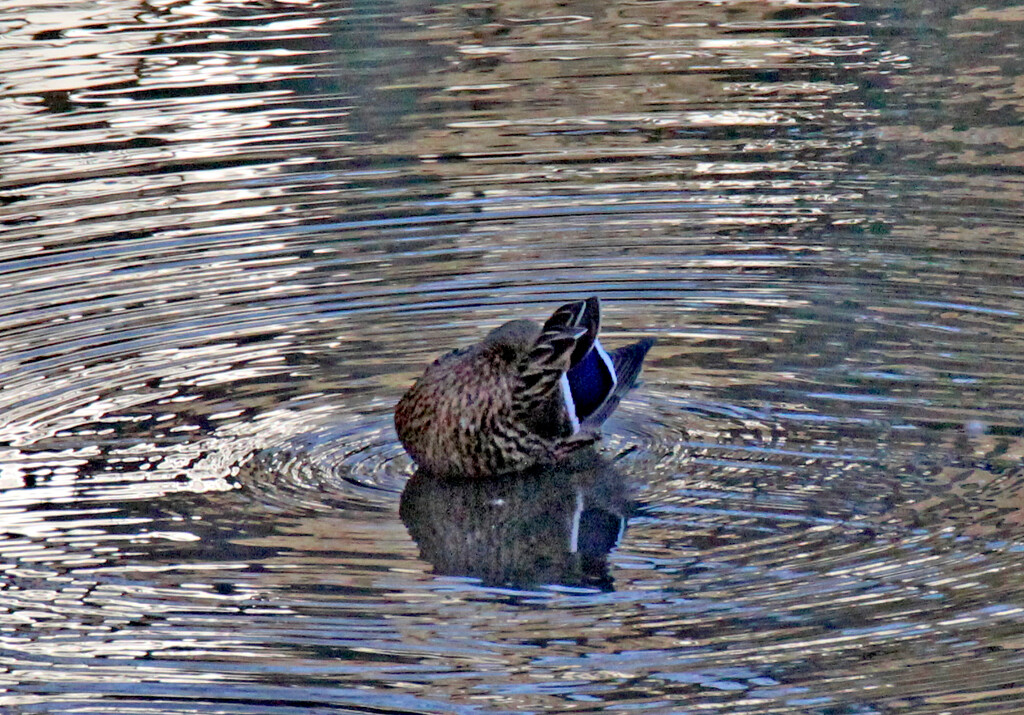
(498, 406)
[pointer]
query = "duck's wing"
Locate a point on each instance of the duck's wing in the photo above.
(571, 384)
(584, 314)
(544, 396)
(601, 380)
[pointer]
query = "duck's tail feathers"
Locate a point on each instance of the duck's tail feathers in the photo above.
(594, 386)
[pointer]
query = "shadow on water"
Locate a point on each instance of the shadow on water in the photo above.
(235, 232)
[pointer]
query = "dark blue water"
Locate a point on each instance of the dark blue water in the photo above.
(233, 233)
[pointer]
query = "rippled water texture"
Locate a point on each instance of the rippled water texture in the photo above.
(234, 232)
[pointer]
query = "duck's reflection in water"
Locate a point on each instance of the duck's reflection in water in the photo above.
(555, 526)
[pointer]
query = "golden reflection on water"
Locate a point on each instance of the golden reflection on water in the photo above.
(233, 234)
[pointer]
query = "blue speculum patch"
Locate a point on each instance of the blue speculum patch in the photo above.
(591, 380)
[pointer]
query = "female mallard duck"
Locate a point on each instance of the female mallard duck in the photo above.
(525, 396)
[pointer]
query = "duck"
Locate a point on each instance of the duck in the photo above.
(527, 396)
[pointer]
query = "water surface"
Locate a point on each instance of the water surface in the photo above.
(235, 232)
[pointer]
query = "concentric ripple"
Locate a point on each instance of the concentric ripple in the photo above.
(235, 233)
